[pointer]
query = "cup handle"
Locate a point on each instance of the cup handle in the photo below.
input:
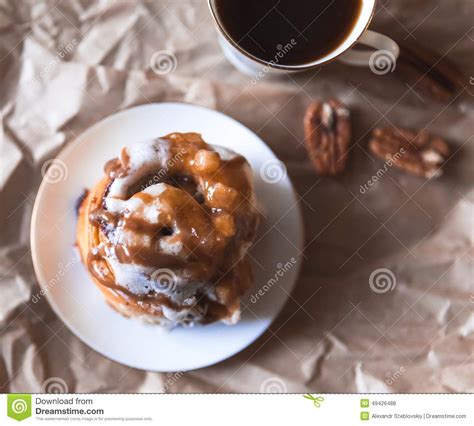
(385, 50)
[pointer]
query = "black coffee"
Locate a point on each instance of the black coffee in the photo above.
(288, 32)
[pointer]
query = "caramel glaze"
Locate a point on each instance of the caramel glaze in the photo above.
(208, 207)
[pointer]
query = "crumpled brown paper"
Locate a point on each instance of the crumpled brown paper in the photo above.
(66, 65)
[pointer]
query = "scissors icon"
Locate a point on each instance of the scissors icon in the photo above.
(316, 399)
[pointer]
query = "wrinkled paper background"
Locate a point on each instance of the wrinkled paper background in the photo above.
(67, 64)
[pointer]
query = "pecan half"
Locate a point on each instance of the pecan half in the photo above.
(418, 153)
(428, 72)
(327, 127)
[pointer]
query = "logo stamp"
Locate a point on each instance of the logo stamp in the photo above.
(19, 406)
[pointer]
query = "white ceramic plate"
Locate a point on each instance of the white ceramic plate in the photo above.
(78, 302)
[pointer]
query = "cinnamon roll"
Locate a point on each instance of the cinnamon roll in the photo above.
(165, 233)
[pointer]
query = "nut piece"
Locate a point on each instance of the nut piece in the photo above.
(418, 153)
(220, 194)
(428, 72)
(207, 161)
(224, 224)
(327, 128)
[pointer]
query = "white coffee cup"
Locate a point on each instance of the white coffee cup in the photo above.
(383, 56)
